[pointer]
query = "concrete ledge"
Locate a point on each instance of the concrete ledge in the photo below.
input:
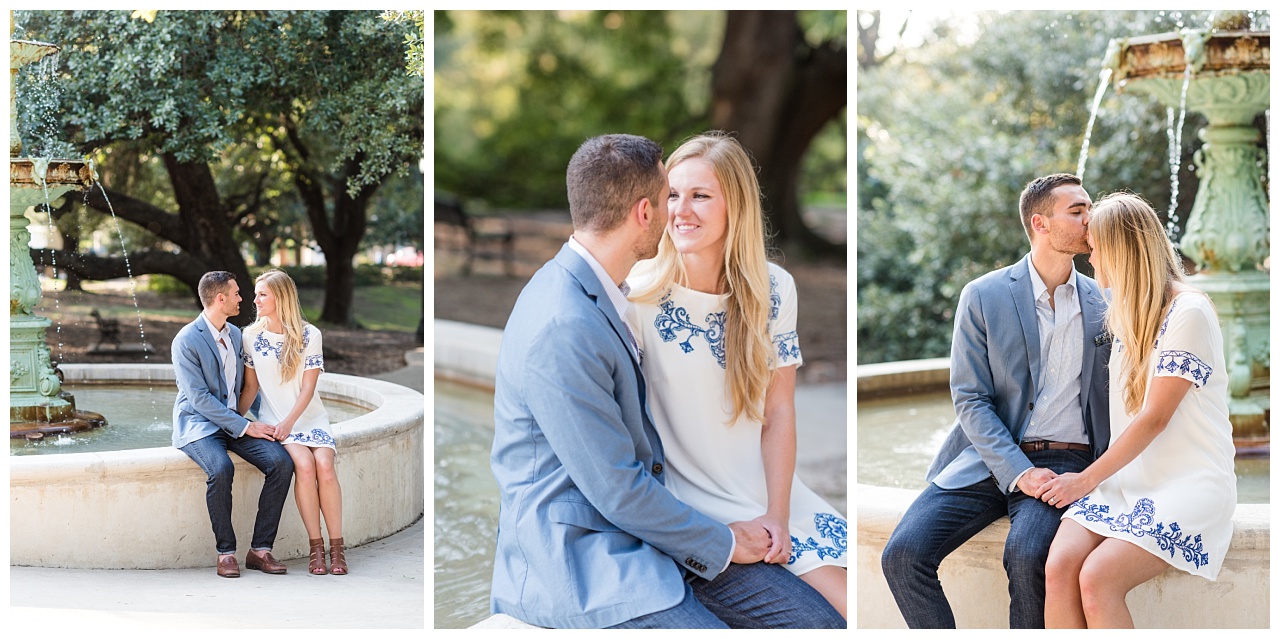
(145, 508)
(978, 588)
(902, 377)
(466, 353)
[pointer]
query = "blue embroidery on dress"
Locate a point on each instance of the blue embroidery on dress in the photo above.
(829, 526)
(1166, 320)
(246, 358)
(1186, 365)
(314, 361)
(775, 300)
(1138, 524)
(265, 348)
(317, 437)
(788, 346)
(673, 319)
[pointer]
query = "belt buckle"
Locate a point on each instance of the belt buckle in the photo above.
(1039, 445)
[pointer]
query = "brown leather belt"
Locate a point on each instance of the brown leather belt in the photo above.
(1039, 445)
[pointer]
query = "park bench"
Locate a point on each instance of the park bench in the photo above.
(108, 329)
(489, 237)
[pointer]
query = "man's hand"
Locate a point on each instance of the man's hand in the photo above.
(1032, 480)
(752, 542)
(261, 431)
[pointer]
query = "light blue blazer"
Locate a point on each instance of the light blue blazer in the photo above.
(588, 535)
(199, 410)
(995, 370)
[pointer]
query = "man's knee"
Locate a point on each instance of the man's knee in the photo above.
(220, 470)
(901, 556)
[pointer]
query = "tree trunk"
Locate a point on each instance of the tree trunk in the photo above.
(775, 92)
(210, 237)
(201, 229)
(339, 236)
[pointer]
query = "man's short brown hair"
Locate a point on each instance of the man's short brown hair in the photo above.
(607, 175)
(1037, 197)
(211, 284)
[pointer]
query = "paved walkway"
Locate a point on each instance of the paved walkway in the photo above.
(385, 588)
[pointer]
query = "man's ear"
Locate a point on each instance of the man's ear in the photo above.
(1038, 223)
(643, 212)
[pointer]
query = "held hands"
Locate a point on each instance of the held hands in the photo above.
(1031, 481)
(779, 538)
(282, 430)
(1065, 489)
(752, 542)
(260, 430)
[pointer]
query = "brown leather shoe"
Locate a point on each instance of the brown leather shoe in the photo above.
(264, 562)
(227, 566)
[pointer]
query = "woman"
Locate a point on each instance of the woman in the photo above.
(283, 358)
(1165, 491)
(715, 324)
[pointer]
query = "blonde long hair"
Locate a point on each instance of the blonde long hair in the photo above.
(1139, 263)
(290, 312)
(745, 275)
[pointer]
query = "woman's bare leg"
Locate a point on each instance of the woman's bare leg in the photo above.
(1113, 569)
(832, 582)
(304, 488)
(330, 491)
(1071, 546)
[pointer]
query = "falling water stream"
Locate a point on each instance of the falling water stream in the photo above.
(1103, 79)
(1175, 154)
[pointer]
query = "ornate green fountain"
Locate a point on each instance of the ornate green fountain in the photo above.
(37, 403)
(1227, 231)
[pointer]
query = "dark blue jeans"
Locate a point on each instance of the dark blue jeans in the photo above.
(939, 521)
(745, 596)
(210, 453)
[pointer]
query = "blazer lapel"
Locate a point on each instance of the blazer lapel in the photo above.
(1091, 310)
(211, 341)
(1023, 300)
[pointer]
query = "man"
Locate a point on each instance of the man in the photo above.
(588, 535)
(1029, 382)
(210, 374)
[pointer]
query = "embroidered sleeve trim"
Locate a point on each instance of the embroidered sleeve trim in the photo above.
(1139, 524)
(788, 346)
(1185, 365)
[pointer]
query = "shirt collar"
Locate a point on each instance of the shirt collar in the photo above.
(225, 332)
(617, 295)
(1038, 287)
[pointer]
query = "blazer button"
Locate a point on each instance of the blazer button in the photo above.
(657, 468)
(1031, 406)
(689, 562)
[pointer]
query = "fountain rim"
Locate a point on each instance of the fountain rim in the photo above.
(395, 407)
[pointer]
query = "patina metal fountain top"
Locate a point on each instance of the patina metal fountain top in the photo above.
(1224, 73)
(37, 403)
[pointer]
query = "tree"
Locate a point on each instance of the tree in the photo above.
(949, 133)
(517, 92)
(324, 93)
(776, 90)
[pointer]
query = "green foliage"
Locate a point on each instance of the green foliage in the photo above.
(415, 43)
(379, 308)
(517, 92)
(950, 132)
(167, 285)
(194, 83)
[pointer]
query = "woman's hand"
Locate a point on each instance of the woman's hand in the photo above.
(283, 429)
(1065, 489)
(779, 538)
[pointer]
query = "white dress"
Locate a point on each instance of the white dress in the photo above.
(262, 354)
(714, 466)
(1177, 497)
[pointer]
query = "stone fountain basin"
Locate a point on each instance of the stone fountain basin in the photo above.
(26, 188)
(973, 576)
(146, 508)
(1225, 52)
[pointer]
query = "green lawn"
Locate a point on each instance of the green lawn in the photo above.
(393, 307)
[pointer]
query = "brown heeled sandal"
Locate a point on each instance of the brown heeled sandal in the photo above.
(316, 565)
(337, 557)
